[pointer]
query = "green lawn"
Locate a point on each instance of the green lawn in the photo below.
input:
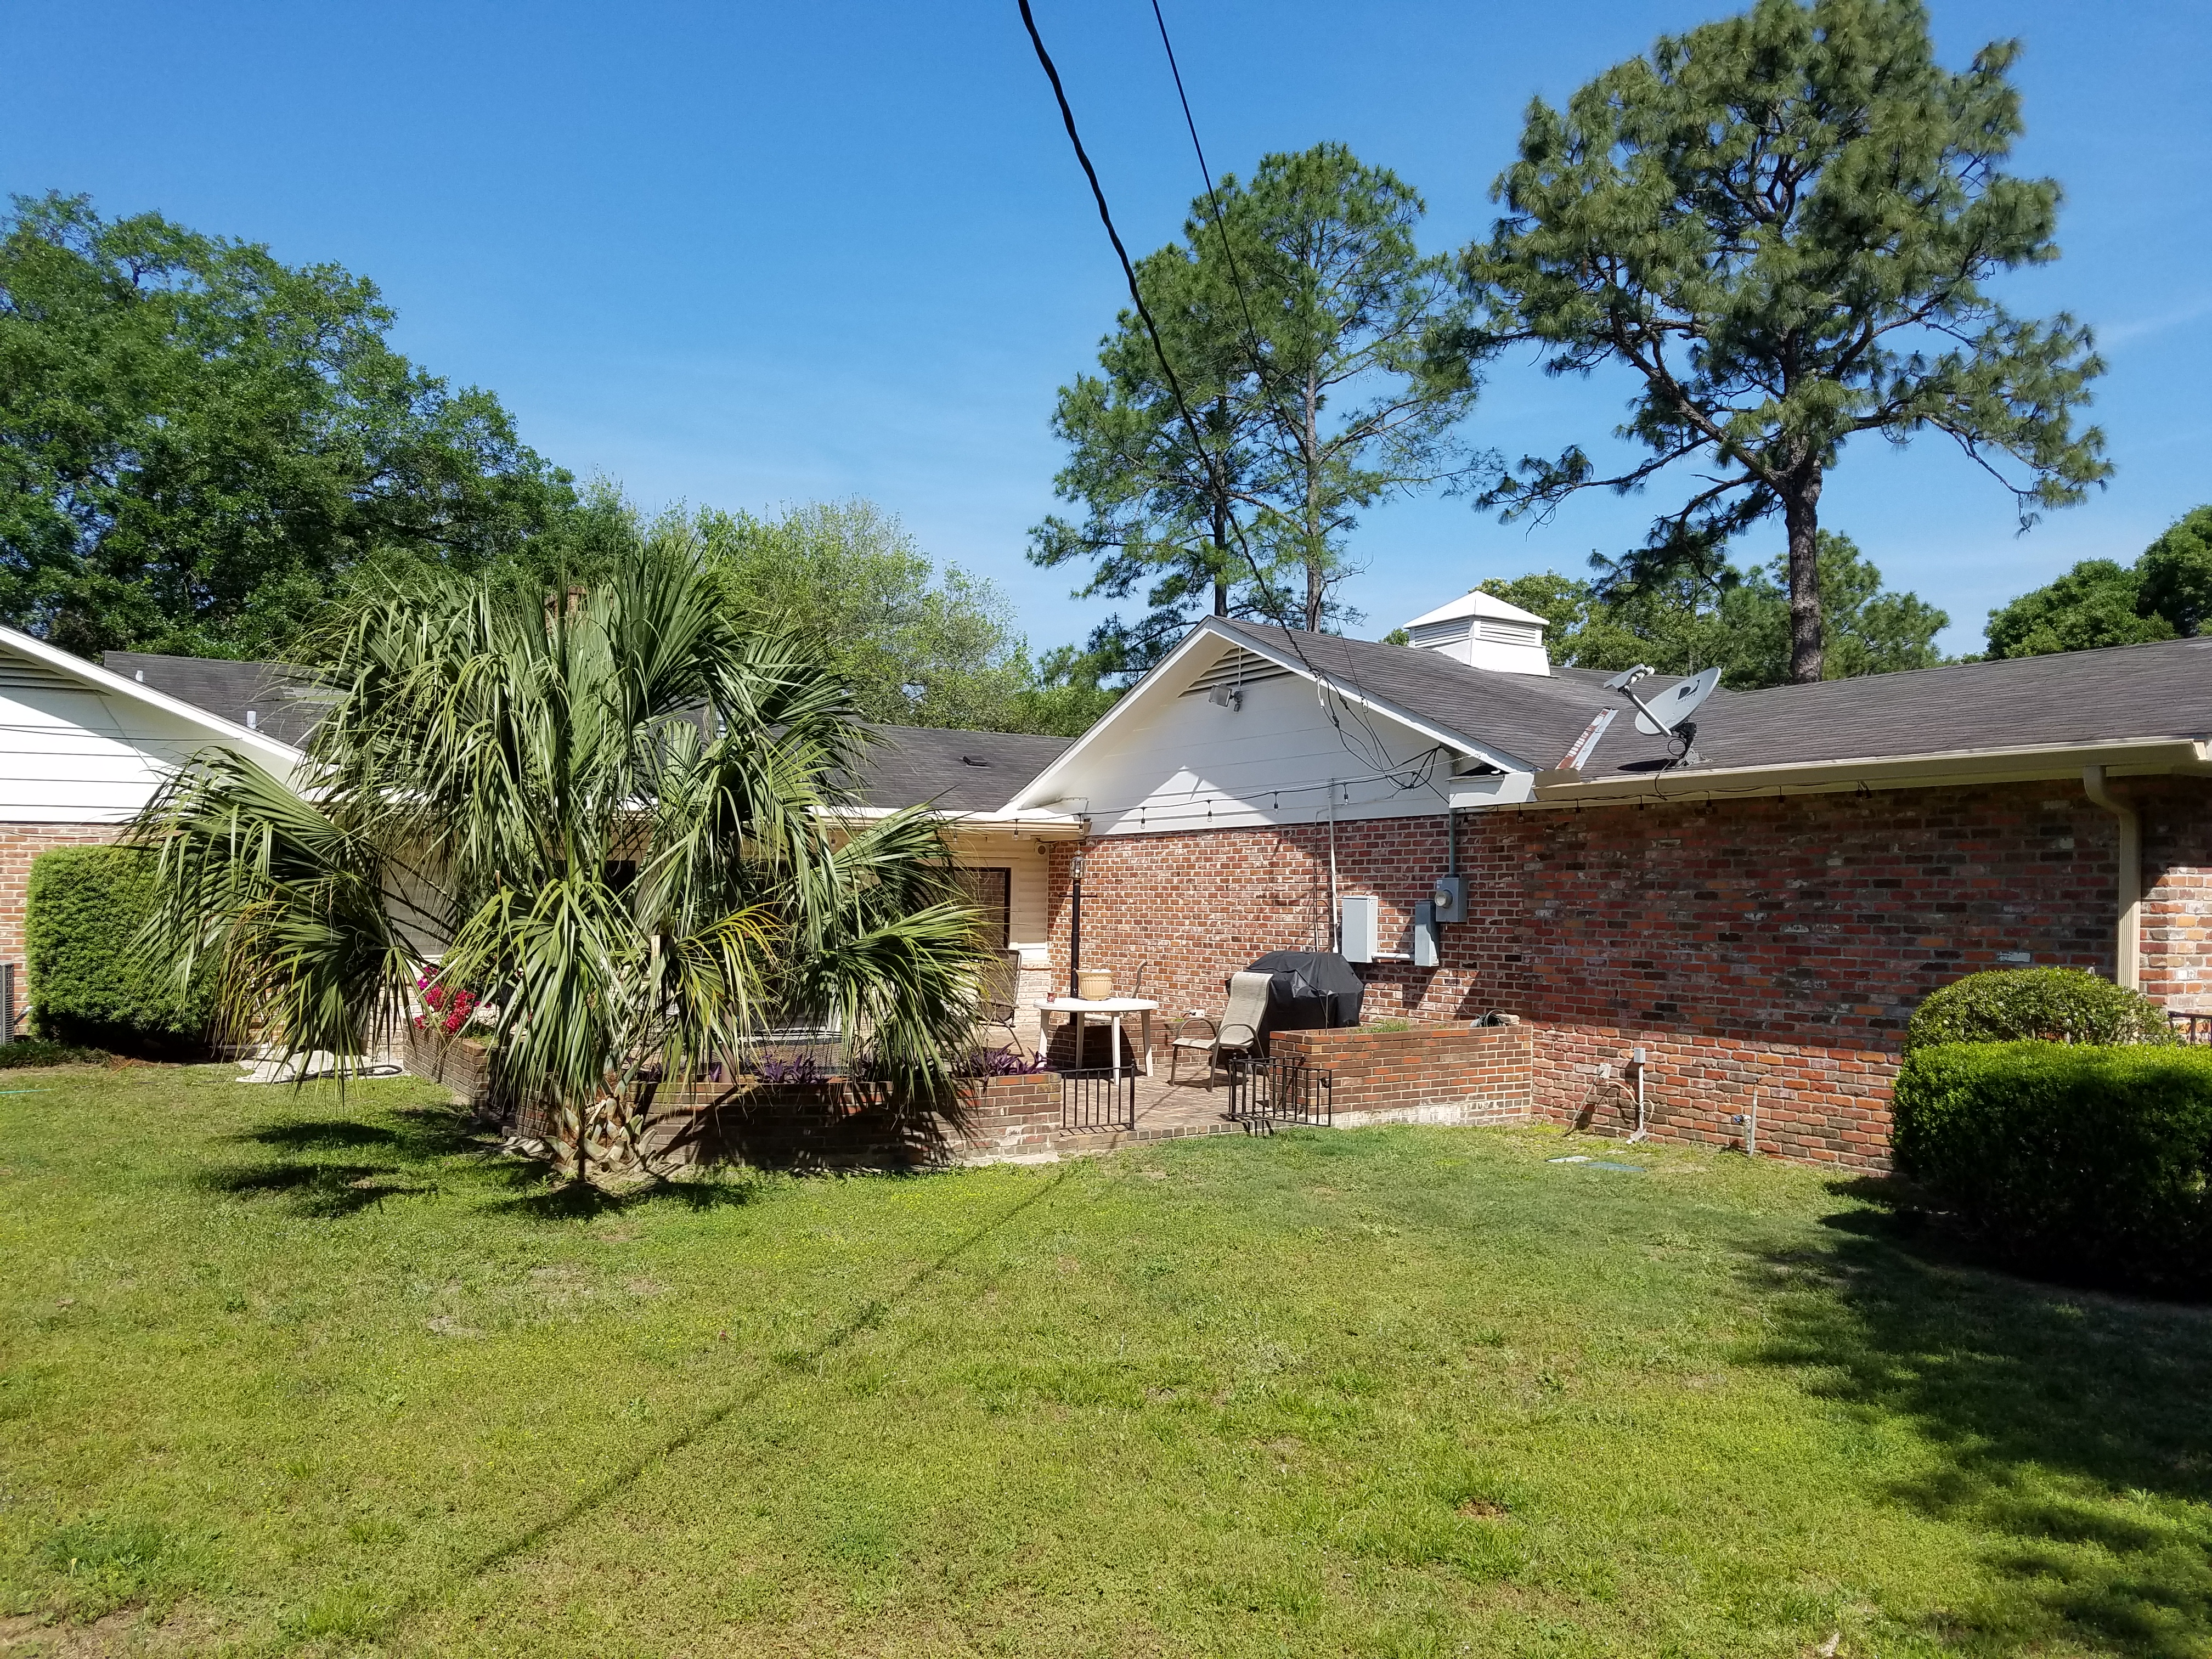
(288, 1372)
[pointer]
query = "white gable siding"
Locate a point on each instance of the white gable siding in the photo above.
(1189, 763)
(71, 754)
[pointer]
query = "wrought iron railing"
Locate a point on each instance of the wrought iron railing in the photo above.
(1098, 1098)
(1263, 1093)
(2191, 1027)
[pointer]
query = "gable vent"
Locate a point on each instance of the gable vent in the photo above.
(22, 674)
(1238, 667)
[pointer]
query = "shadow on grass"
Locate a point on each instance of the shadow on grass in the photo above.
(567, 1200)
(2068, 1425)
(324, 1192)
(415, 1146)
(867, 1315)
(422, 1150)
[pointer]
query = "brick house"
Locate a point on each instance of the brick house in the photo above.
(1760, 917)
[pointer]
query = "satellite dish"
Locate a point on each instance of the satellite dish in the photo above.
(1663, 712)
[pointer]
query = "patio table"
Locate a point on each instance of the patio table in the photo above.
(1112, 1007)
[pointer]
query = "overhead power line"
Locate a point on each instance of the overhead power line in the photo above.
(1380, 757)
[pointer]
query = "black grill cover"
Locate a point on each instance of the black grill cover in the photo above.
(1310, 990)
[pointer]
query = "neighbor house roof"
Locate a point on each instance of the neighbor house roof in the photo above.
(953, 771)
(912, 766)
(285, 701)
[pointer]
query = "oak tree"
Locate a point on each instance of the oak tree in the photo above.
(197, 442)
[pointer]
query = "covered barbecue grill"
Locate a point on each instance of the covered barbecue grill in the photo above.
(1310, 990)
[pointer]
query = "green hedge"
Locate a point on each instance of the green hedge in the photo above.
(89, 983)
(2051, 1004)
(2085, 1160)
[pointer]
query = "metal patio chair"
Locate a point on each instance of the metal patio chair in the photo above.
(1001, 996)
(1237, 1032)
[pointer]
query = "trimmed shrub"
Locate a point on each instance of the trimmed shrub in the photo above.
(89, 982)
(2048, 1004)
(2084, 1159)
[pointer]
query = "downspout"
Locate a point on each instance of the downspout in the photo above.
(2127, 946)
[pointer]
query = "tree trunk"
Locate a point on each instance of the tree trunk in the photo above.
(1801, 515)
(1315, 588)
(1220, 560)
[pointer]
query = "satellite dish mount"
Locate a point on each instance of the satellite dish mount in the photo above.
(1668, 714)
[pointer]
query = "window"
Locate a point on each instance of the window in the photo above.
(991, 892)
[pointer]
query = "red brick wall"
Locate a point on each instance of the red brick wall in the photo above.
(1775, 944)
(1456, 1073)
(19, 844)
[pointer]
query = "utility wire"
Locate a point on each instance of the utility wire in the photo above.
(1268, 391)
(1380, 758)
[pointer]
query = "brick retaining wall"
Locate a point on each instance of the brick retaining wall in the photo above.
(1425, 1075)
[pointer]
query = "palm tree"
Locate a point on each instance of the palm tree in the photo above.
(611, 814)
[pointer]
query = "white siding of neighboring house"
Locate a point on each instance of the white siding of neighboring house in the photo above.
(72, 754)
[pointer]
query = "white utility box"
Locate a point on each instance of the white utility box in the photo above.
(1358, 919)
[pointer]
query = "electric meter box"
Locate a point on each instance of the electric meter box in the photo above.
(1447, 902)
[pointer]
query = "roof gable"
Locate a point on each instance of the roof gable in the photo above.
(269, 750)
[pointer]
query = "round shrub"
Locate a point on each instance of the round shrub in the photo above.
(2049, 1004)
(90, 982)
(2086, 1159)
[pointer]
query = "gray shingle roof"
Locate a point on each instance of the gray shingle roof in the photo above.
(2157, 690)
(287, 701)
(955, 771)
(1530, 718)
(959, 771)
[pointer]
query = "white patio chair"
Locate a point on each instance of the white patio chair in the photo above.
(1237, 1032)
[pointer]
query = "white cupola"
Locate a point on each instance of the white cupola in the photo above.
(1483, 631)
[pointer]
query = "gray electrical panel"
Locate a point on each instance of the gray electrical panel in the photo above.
(1424, 935)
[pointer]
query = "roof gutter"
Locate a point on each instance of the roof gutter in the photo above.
(1042, 826)
(2126, 757)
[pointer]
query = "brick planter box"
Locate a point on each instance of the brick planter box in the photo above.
(841, 1124)
(1425, 1075)
(832, 1124)
(462, 1064)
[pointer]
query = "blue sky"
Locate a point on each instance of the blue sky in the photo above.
(745, 254)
